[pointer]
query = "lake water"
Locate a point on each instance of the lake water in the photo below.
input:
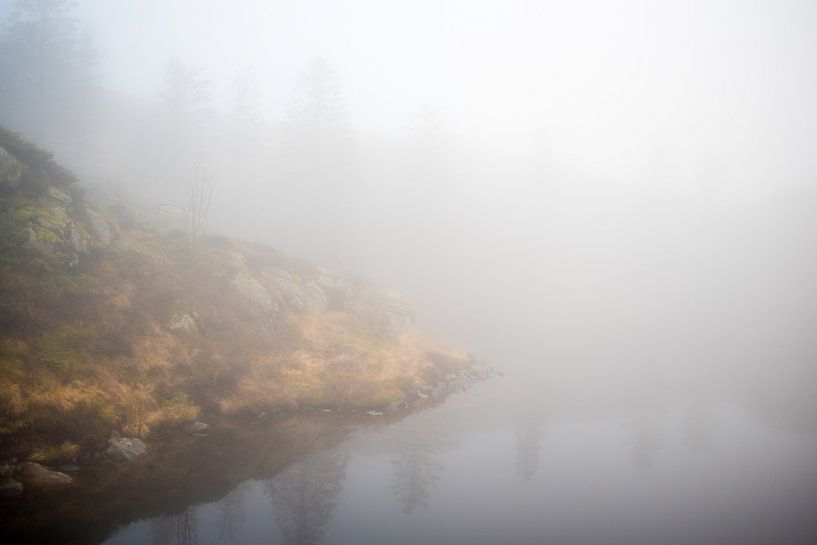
(493, 466)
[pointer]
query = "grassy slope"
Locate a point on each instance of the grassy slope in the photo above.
(87, 342)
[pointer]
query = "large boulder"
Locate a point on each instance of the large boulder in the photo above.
(124, 449)
(33, 474)
(104, 230)
(11, 489)
(253, 290)
(338, 292)
(183, 321)
(295, 292)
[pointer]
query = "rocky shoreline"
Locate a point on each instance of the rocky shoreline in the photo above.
(17, 478)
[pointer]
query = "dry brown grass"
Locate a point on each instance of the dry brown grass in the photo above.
(93, 355)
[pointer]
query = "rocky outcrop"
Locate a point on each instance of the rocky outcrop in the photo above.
(184, 322)
(296, 292)
(11, 170)
(252, 289)
(104, 229)
(11, 489)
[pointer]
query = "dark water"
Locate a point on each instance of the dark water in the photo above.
(492, 466)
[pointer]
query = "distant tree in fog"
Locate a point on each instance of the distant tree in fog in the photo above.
(317, 114)
(245, 126)
(47, 66)
(184, 90)
(245, 98)
(426, 128)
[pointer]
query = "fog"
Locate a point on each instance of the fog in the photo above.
(613, 202)
(619, 191)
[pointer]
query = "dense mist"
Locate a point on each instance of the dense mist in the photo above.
(612, 205)
(620, 192)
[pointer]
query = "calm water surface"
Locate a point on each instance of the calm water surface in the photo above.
(487, 468)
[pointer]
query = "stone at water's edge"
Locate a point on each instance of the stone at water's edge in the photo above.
(196, 428)
(11, 489)
(34, 474)
(124, 449)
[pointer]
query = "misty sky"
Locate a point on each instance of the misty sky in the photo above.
(607, 87)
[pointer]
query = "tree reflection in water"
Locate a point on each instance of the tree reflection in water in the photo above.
(303, 496)
(529, 433)
(231, 516)
(178, 529)
(415, 473)
(647, 440)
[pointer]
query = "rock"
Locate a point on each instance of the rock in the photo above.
(374, 413)
(59, 195)
(11, 488)
(34, 474)
(69, 469)
(250, 288)
(336, 289)
(438, 391)
(199, 429)
(183, 322)
(77, 239)
(396, 405)
(6, 471)
(11, 170)
(103, 229)
(124, 449)
(303, 295)
(399, 311)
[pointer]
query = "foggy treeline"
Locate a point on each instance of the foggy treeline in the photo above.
(631, 209)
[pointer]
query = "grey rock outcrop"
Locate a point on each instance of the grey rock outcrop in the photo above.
(252, 289)
(11, 489)
(11, 170)
(295, 292)
(124, 449)
(183, 321)
(103, 229)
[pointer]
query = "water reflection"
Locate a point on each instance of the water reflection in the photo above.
(231, 514)
(698, 426)
(415, 473)
(303, 496)
(181, 529)
(647, 439)
(441, 477)
(529, 432)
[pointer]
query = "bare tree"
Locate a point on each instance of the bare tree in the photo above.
(199, 197)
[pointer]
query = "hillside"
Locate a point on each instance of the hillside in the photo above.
(110, 324)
